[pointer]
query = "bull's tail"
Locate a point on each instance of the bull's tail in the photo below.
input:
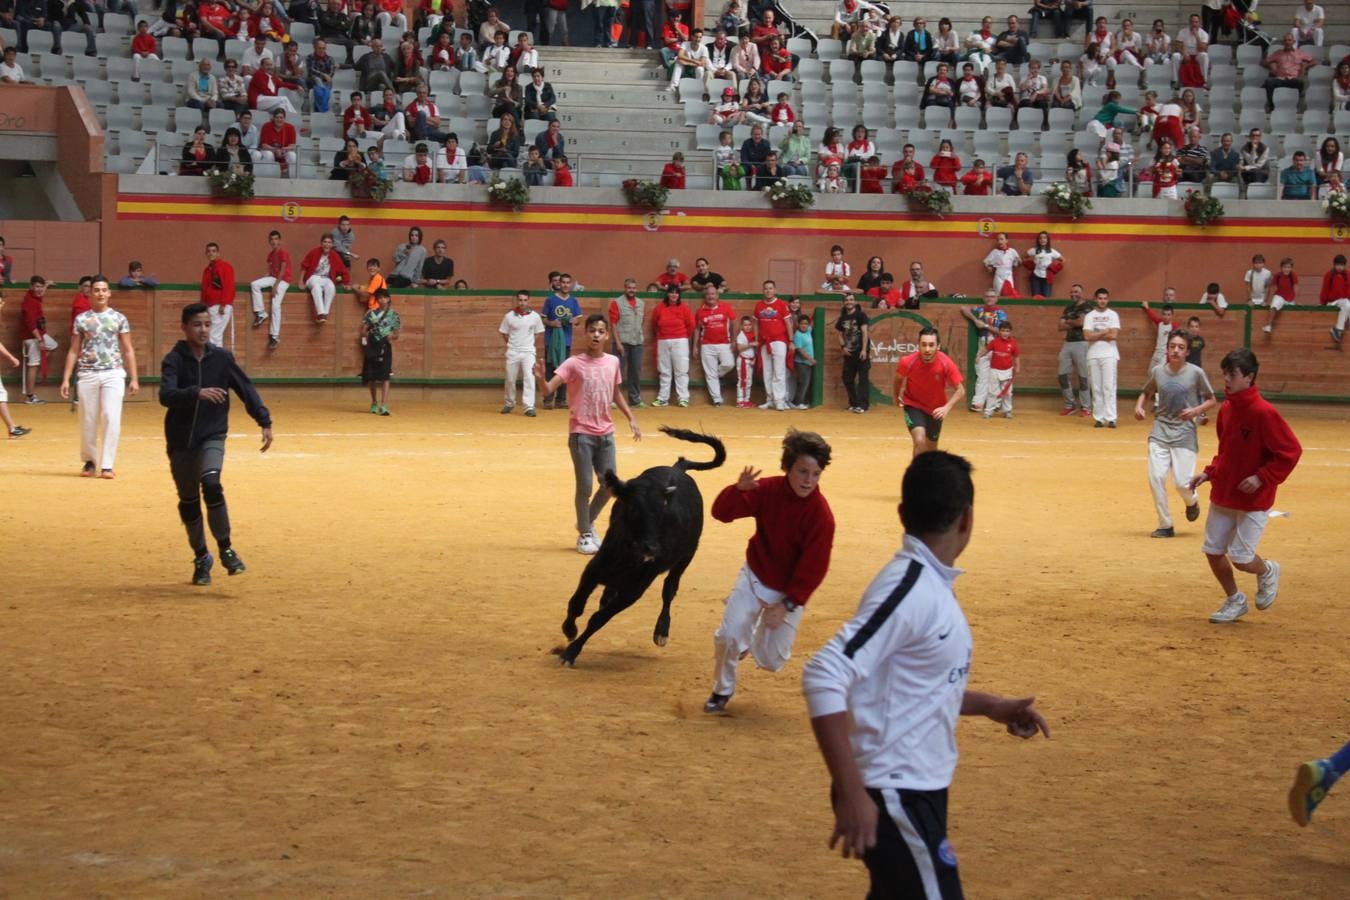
(685, 465)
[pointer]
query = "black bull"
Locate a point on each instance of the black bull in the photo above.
(654, 527)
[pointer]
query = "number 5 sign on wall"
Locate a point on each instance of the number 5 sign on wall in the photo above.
(290, 211)
(986, 226)
(1340, 231)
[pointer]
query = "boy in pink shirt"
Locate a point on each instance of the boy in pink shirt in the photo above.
(593, 380)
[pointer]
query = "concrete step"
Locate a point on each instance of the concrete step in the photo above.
(576, 95)
(654, 120)
(602, 73)
(624, 143)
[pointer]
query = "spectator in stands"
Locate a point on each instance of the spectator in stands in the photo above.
(1051, 11)
(533, 168)
(980, 45)
(745, 58)
(1109, 182)
(945, 165)
(1157, 44)
(1224, 161)
(320, 271)
(490, 28)
(755, 104)
(388, 118)
(540, 100)
(335, 26)
(1129, 47)
(891, 42)
(849, 19)
(946, 45)
(1193, 158)
(1165, 171)
(1298, 181)
(1016, 180)
(497, 58)
(347, 161)
(466, 55)
(202, 90)
(232, 89)
(970, 89)
(733, 17)
(728, 111)
(1068, 92)
(978, 181)
(551, 142)
(832, 182)
(1340, 86)
(1255, 165)
(143, 47)
(1034, 93)
(232, 154)
(1011, 45)
(1000, 89)
(831, 150)
(719, 58)
(781, 112)
(255, 54)
(1104, 121)
(918, 43)
(906, 175)
(795, 151)
(503, 147)
(438, 270)
(418, 166)
(35, 14)
(1077, 9)
(939, 90)
(424, 119)
(10, 70)
(320, 67)
(1308, 22)
(765, 30)
(689, 60)
(410, 69)
(75, 19)
(1288, 68)
(277, 140)
(198, 155)
(507, 96)
(391, 13)
(356, 120)
(1077, 173)
(1100, 36)
(603, 14)
(1328, 161)
(442, 57)
(704, 276)
(375, 71)
(776, 63)
(1192, 45)
(671, 276)
(524, 58)
(264, 90)
(452, 163)
(862, 44)
(249, 133)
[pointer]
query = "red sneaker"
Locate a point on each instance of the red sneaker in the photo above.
(1066, 411)
(1085, 413)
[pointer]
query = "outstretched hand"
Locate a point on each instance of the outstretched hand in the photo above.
(1021, 717)
(747, 480)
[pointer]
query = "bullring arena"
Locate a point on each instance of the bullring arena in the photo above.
(375, 708)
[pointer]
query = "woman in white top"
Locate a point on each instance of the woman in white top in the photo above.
(1068, 92)
(1042, 256)
(1129, 46)
(946, 45)
(1000, 89)
(1158, 44)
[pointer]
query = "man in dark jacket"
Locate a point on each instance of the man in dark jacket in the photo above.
(195, 381)
(754, 154)
(30, 14)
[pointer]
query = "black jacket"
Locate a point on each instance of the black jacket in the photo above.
(190, 421)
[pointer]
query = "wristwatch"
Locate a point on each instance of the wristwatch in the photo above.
(789, 605)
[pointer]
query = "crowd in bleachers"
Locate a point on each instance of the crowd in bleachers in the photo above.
(1117, 113)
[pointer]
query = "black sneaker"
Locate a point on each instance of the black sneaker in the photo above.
(1163, 533)
(1192, 512)
(1111, 424)
(232, 563)
(1100, 424)
(18, 431)
(88, 471)
(273, 343)
(201, 569)
(717, 703)
(258, 320)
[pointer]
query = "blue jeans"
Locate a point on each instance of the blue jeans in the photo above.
(321, 94)
(421, 131)
(602, 22)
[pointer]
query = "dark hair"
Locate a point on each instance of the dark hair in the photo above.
(37, 279)
(1240, 360)
(745, 319)
(804, 318)
(522, 291)
(1338, 259)
(192, 310)
(596, 317)
(1099, 291)
(209, 245)
(886, 276)
(277, 233)
(1195, 319)
(134, 265)
(381, 293)
(1005, 324)
(1167, 307)
(804, 443)
(374, 260)
(95, 279)
(927, 330)
(1178, 334)
(1212, 287)
(935, 491)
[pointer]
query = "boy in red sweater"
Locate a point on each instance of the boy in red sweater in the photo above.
(1257, 452)
(1336, 292)
(785, 561)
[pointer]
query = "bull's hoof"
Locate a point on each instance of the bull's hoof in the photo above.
(567, 658)
(660, 639)
(569, 629)
(567, 662)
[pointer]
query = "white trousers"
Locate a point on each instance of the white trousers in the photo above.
(745, 377)
(773, 356)
(220, 314)
(136, 63)
(1181, 463)
(672, 359)
(717, 361)
(1343, 304)
(994, 399)
(322, 290)
(1102, 379)
(279, 287)
(267, 104)
(982, 380)
(520, 367)
(101, 395)
(399, 20)
(742, 629)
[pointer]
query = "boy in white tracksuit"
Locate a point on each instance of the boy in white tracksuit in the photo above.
(519, 330)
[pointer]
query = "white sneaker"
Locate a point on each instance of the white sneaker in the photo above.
(767, 404)
(1234, 608)
(1267, 329)
(801, 406)
(587, 544)
(1268, 585)
(782, 407)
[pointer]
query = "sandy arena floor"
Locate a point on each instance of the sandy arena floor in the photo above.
(373, 708)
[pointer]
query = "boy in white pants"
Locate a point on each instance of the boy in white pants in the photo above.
(1004, 361)
(519, 330)
(746, 351)
(278, 279)
(101, 345)
(785, 561)
(1184, 396)
(1101, 327)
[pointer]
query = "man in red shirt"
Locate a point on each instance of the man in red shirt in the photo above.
(712, 337)
(775, 325)
(36, 342)
(785, 561)
(278, 279)
(673, 324)
(82, 302)
(277, 140)
(921, 383)
(1257, 452)
(218, 292)
(1336, 292)
(884, 295)
(672, 276)
(672, 173)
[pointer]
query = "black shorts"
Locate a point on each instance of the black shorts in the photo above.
(912, 857)
(917, 418)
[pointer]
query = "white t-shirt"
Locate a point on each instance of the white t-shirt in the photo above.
(1191, 40)
(253, 59)
(520, 331)
(745, 346)
(697, 52)
(449, 169)
(1101, 320)
(1307, 18)
(14, 73)
(899, 669)
(1258, 281)
(1043, 259)
(1219, 299)
(1003, 263)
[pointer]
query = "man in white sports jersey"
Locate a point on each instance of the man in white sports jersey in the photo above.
(1101, 327)
(884, 694)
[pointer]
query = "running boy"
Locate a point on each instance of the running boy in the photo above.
(595, 382)
(1257, 452)
(785, 561)
(196, 378)
(1313, 780)
(921, 382)
(1183, 397)
(1005, 362)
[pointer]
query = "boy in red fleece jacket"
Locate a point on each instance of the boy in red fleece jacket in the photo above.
(785, 561)
(1257, 452)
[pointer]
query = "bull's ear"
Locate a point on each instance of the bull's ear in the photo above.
(616, 485)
